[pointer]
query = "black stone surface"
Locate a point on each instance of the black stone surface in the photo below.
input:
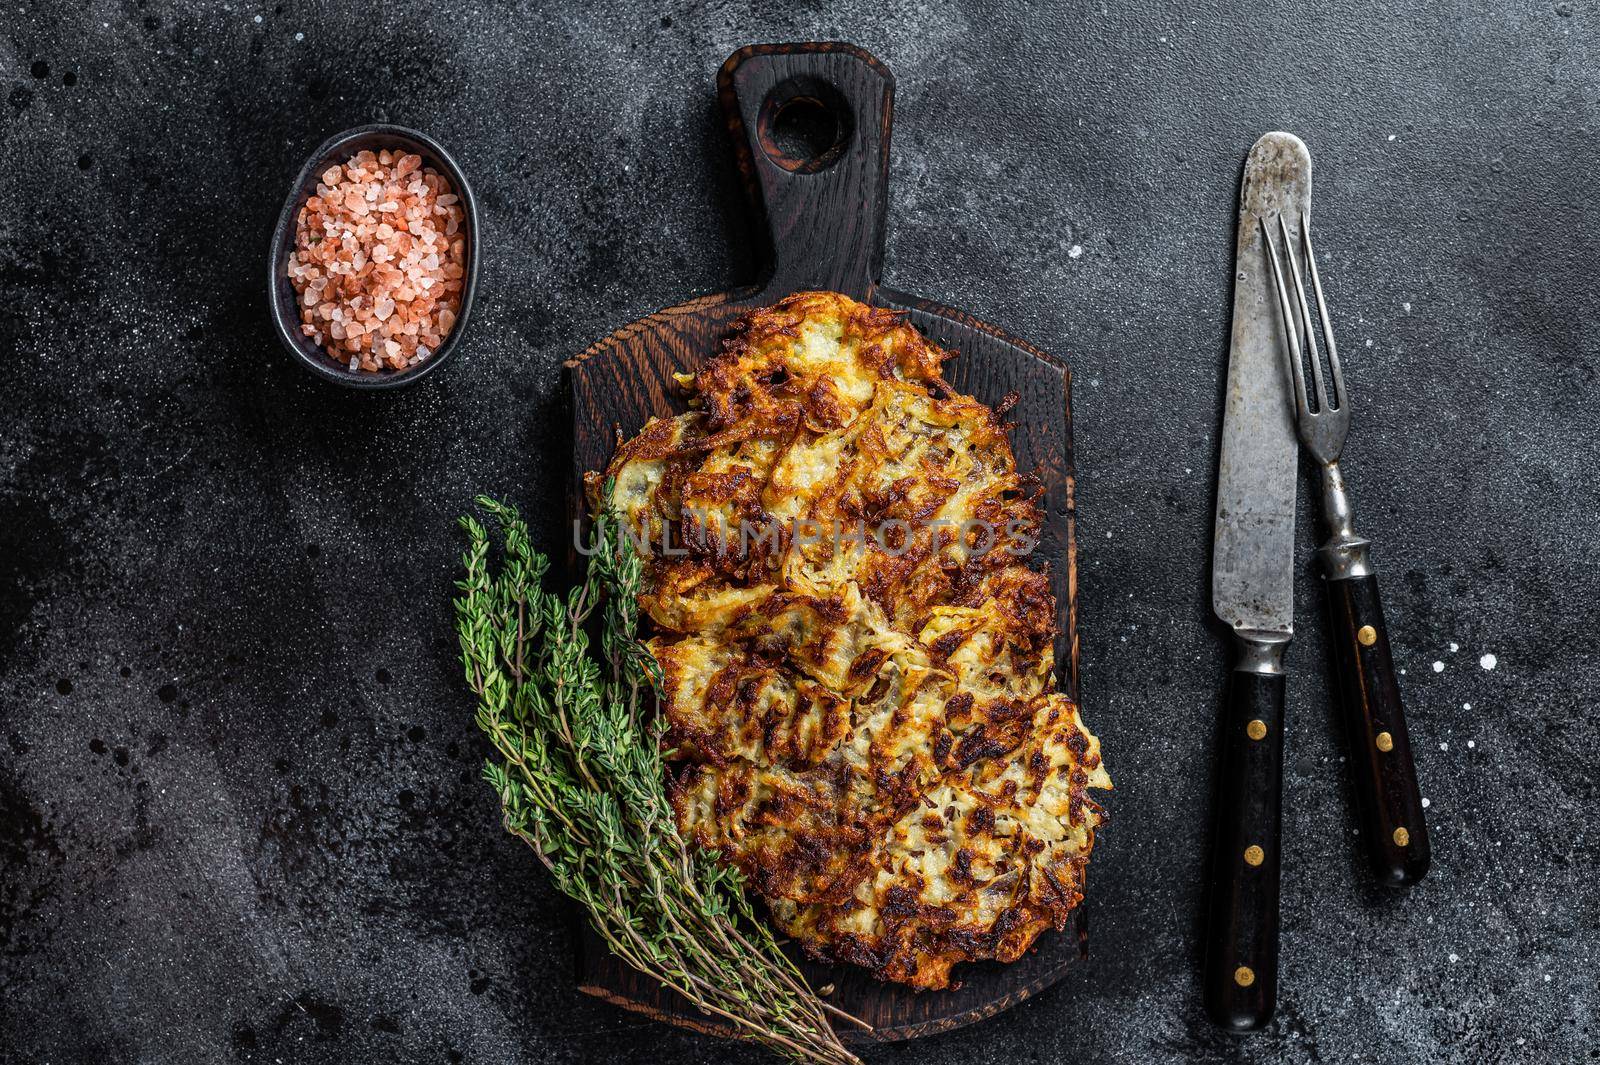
(239, 812)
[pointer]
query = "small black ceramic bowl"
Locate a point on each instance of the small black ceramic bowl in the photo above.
(285, 303)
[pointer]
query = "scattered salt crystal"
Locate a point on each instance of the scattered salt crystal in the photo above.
(1426, 803)
(1488, 661)
(1438, 667)
(1454, 647)
(383, 309)
(1472, 744)
(1454, 958)
(1444, 746)
(1466, 706)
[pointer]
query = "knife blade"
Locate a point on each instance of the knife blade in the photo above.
(1252, 560)
(1252, 591)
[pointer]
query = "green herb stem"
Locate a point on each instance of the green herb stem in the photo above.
(580, 776)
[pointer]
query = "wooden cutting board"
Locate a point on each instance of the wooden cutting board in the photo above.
(810, 126)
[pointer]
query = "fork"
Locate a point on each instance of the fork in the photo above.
(1385, 779)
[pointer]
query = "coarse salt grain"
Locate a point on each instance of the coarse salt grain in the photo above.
(377, 293)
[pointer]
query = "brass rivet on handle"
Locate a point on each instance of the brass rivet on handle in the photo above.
(1367, 635)
(1256, 730)
(1254, 855)
(1401, 837)
(1384, 741)
(1243, 976)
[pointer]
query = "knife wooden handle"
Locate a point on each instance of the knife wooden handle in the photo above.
(1241, 968)
(1387, 798)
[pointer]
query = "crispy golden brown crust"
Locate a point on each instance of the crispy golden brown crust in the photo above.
(863, 723)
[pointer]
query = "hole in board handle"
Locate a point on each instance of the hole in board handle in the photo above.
(804, 125)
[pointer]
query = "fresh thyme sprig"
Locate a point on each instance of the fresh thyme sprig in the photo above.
(580, 778)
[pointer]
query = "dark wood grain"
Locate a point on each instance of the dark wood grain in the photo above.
(824, 224)
(1381, 770)
(1240, 979)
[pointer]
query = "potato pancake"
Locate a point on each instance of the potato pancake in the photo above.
(856, 655)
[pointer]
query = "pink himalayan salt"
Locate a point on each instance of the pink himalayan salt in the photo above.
(376, 294)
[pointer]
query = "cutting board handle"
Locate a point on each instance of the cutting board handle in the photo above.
(810, 125)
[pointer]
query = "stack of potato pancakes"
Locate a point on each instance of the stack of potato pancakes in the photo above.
(856, 653)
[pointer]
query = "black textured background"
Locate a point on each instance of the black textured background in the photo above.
(239, 811)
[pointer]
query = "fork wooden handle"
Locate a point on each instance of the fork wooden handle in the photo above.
(1382, 771)
(1241, 968)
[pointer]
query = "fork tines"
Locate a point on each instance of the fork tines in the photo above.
(1301, 332)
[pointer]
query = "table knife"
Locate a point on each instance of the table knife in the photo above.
(1252, 592)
